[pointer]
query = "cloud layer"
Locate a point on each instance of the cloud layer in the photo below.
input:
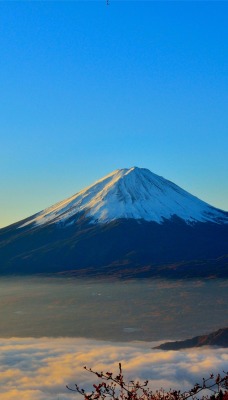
(39, 369)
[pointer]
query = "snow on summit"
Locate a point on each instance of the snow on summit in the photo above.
(131, 193)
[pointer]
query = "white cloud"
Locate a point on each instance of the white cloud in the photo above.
(39, 369)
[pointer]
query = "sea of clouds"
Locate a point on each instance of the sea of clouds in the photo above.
(40, 369)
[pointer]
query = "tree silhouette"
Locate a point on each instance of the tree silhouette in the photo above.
(116, 388)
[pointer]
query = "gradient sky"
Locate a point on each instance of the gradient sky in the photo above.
(87, 88)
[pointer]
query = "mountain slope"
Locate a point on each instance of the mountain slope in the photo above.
(131, 193)
(130, 223)
(218, 338)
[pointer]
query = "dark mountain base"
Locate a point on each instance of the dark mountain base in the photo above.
(123, 248)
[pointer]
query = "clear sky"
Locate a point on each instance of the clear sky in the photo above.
(87, 88)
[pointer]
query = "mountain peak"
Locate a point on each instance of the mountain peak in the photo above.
(131, 193)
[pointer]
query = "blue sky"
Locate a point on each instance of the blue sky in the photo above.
(87, 88)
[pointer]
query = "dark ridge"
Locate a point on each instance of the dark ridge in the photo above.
(218, 338)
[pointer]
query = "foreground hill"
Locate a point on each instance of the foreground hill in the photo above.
(129, 223)
(218, 338)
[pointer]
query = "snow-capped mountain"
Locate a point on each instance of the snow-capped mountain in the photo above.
(131, 193)
(129, 223)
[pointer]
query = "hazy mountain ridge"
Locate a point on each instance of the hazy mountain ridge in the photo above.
(218, 338)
